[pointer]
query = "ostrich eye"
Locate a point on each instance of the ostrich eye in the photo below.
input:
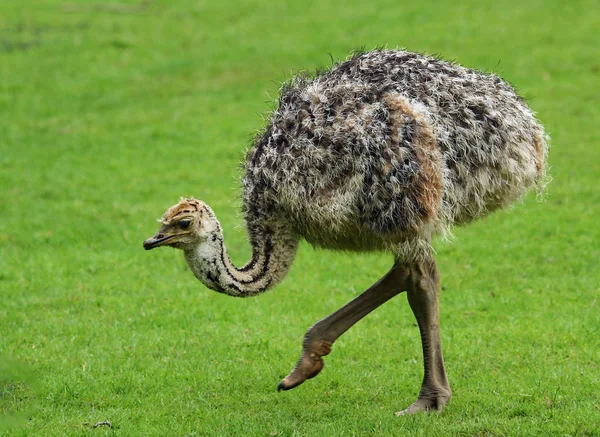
(184, 224)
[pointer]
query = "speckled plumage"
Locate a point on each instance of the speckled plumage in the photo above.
(388, 148)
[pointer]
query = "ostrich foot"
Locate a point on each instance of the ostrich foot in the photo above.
(433, 401)
(309, 365)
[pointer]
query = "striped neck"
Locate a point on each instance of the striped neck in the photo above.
(272, 255)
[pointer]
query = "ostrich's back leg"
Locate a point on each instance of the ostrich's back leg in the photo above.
(423, 296)
(319, 338)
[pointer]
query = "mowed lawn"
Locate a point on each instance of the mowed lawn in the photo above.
(112, 110)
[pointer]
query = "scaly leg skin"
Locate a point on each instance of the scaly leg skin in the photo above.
(423, 296)
(321, 336)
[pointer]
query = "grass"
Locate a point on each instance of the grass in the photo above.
(111, 111)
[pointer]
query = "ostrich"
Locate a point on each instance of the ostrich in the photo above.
(380, 153)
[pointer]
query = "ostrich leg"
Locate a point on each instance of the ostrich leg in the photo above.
(320, 337)
(423, 296)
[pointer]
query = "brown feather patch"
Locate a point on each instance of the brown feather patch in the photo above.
(428, 186)
(540, 151)
(185, 206)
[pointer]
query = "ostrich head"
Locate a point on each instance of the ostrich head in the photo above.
(184, 226)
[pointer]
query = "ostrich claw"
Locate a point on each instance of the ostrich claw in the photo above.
(309, 365)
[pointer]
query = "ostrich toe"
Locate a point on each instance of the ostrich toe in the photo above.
(309, 365)
(428, 402)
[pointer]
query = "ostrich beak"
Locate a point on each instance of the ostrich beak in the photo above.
(156, 241)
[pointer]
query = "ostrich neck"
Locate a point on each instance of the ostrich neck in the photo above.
(272, 256)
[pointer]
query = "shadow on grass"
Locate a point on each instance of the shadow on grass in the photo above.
(17, 394)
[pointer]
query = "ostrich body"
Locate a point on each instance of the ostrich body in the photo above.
(378, 154)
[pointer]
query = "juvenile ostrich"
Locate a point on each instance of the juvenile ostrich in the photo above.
(378, 154)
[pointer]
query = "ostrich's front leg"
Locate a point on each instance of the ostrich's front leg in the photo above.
(320, 337)
(423, 296)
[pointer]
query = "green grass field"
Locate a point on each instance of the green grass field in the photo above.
(112, 110)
